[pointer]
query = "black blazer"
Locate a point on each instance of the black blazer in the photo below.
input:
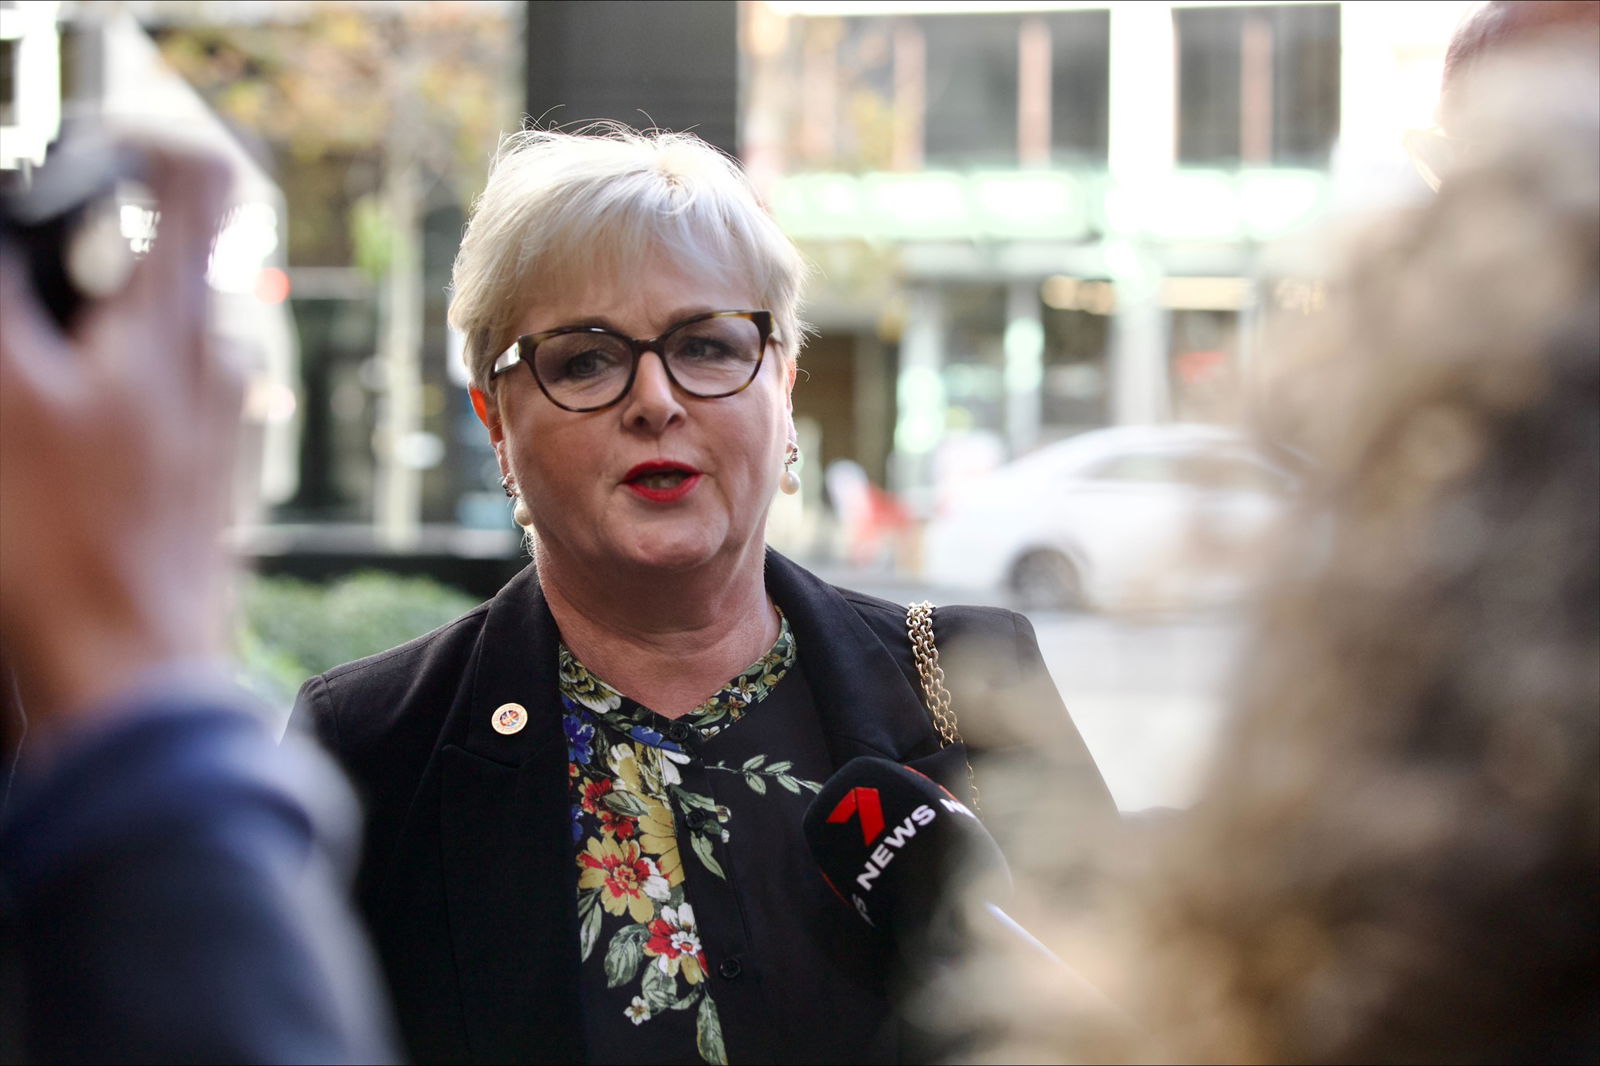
(468, 882)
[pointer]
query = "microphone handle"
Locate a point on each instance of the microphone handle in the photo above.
(1078, 989)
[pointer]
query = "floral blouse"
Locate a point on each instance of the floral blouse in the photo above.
(698, 906)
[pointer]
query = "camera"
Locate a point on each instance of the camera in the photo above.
(64, 222)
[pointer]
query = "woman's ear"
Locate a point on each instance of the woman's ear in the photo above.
(489, 415)
(792, 370)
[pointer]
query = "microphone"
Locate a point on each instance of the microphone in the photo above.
(900, 849)
(902, 852)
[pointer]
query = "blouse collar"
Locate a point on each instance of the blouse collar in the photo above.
(582, 689)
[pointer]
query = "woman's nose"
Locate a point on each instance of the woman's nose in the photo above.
(652, 403)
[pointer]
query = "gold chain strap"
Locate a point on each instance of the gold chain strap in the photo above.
(919, 627)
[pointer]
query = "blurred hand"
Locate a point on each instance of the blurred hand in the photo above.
(116, 457)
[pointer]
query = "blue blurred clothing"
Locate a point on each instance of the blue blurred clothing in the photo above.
(172, 889)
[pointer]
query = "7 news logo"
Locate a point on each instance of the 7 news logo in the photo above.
(866, 805)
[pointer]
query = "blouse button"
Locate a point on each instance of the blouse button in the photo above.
(678, 731)
(695, 818)
(730, 968)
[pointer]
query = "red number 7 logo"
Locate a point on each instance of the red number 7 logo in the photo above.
(865, 802)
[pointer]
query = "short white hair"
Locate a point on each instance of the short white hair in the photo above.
(565, 207)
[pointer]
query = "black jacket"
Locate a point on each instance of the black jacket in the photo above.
(468, 881)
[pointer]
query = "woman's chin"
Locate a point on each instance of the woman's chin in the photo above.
(670, 552)
(661, 547)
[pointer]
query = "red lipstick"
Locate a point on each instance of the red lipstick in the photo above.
(662, 482)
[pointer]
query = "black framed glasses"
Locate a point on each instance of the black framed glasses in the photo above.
(585, 368)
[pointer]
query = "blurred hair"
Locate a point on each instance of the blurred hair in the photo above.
(1396, 855)
(563, 208)
(1498, 25)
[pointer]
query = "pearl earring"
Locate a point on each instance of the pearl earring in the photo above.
(789, 483)
(520, 513)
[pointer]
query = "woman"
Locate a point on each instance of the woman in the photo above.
(584, 797)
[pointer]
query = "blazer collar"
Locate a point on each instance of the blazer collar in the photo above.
(867, 704)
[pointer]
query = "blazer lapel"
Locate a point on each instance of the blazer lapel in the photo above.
(866, 703)
(506, 842)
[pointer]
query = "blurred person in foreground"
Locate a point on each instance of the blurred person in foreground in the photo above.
(1493, 29)
(1397, 855)
(585, 797)
(171, 881)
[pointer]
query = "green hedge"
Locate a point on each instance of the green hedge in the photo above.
(291, 629)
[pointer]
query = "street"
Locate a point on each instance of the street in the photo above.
(1147, 694)
(1148, 697)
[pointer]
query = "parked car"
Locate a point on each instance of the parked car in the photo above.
(1128, 518)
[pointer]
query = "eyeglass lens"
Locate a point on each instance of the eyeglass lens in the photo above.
(711, 357)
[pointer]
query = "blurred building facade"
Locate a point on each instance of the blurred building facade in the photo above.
(1035, 219)
(1029, 218)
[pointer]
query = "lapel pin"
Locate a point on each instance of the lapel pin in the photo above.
(509, 718)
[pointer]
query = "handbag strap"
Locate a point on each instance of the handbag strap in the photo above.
(919, 628)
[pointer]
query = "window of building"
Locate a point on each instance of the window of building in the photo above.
(1080, 73)
(971, 89)
(1076, 384)
(1203, 361)
(1257, 86)
(902, 92)
(974, 367)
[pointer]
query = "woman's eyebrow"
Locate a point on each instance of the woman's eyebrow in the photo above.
(587, 322)
(677, 317)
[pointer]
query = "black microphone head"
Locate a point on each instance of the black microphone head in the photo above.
(894, 845)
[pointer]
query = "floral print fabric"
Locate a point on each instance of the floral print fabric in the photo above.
(630, 812)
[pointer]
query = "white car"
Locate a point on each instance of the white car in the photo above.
(1130, 518)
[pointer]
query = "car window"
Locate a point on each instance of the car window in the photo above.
(1137, 466)
(1200, 470)
(1229, 473)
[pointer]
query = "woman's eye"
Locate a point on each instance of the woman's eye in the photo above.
(586, 364)
(703, 349)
